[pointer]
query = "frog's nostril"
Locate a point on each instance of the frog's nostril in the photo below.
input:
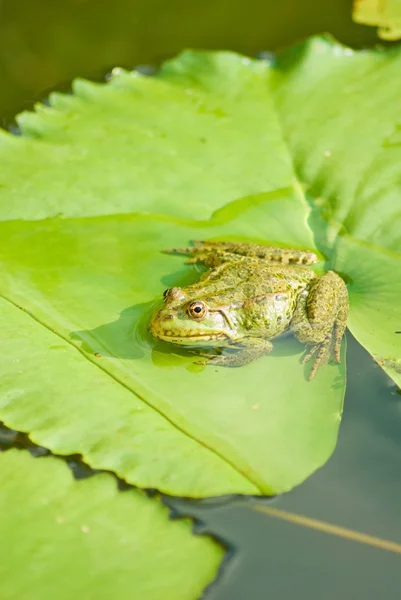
(170, 317)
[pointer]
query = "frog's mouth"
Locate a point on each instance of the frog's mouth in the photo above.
(190, 334)
(191, 338)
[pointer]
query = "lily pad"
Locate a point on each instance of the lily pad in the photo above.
(142, 144)
(62, 538)
(217, 146)
(133, 406)
(351, 170)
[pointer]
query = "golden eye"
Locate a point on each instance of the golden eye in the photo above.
(197, 310)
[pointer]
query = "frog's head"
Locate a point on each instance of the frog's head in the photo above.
(188, 320)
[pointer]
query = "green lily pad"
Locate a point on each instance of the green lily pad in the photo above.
(340, 115)
(216, 147)
(375, 315)
(142, 144)
(351, 170)
(62, 538)
(136, 407)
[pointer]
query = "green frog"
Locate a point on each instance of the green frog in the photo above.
(250, 295)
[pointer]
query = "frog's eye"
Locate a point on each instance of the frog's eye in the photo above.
(197, 310)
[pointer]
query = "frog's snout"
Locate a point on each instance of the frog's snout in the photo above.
(161, 322)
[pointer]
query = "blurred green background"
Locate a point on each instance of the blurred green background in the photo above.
(46, 43)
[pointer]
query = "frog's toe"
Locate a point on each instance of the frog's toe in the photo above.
(208, 358)
(228, 359)
(337, 356)
(321, 355)
(338, 335)
(198, 256)
(201, 362)
(178, 250)
(206, 354)
(215, 359)
(310, 354)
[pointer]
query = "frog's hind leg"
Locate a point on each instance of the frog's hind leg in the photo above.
(212, 257)
(214, 254)
(284, 256)
(320, 319)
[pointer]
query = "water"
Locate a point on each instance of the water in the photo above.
(42, 46)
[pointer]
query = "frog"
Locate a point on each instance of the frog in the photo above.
(249, 295)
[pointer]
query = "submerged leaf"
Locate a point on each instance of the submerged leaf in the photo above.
(86, 539)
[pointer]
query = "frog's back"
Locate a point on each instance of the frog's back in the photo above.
(296, 278)
(259, 297)
(247, 280)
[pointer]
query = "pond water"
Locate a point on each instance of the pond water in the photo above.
(42, 46)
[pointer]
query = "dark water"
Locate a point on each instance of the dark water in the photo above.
(43, 44)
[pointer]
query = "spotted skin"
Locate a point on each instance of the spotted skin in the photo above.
(250, 295)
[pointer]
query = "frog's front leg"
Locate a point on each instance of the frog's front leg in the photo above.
(242, 353)
(320, 319)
